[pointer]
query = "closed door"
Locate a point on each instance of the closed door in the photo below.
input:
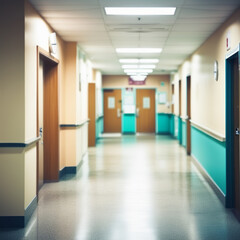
(40, 126)
(112, 111)
(47, 119)
(188, 121)
(145, 110)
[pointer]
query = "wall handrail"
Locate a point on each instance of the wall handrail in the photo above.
(209, 132)
(74, 125)
(20, 145)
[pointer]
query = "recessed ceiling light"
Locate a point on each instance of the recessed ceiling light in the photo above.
(138, 66)
(139, 50)
(138, 77)
(148, 60)
(138, 70)
(135, 60)
(139, 74)
(147, 66)
(140, 10)
(129, 66)
(132, 60)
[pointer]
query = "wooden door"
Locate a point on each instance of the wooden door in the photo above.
(40, 126)
(47, 118)
(180, 98)
(92, 114)
(112, 111)
(188, 121)
(172, 98)
(51, 123)
(145, 110)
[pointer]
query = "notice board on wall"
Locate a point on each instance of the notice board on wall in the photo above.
(162, 98)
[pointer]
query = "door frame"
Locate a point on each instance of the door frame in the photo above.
(229, 117)
(47, 57)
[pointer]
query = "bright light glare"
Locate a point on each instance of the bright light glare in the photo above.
(140, 10)
(139, 50)
(138, 66)
(134, 73)
(129, 66)
(148, 60)
(138, 70)
(138, 77)
(129, 60)
(147, 66)
(135, 60)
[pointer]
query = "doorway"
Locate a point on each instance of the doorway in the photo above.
(47, 118)
(180, 98)
(145, 110)
(180, 111)
(188, 120)
(112, 110)
(172, 98)
(232, 133)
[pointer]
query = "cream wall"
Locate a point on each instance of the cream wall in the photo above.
(73, 141)
(69, 84)
(208, 95)
(12, 118)
(12, 79)
(153, 81)
(68, 107)
(24, 32)
(12, 182)
(99, 95)
(36, 34)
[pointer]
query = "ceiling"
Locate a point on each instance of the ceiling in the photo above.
(85, 22)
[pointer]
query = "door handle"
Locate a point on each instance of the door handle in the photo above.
(237, 132)
(137, 112)
(41, 134)
(118, 113)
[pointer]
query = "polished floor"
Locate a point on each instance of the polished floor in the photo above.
(131, 188)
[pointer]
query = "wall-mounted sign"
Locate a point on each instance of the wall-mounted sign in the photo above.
(53, 43)
(228, 40)
(111, 102)
(162, 97)
(132, 82)
(215, 71)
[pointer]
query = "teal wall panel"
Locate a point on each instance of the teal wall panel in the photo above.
(184, 134)
(129, 123)
(171, 118)
(211, 154)
(128, 119)
(179, 130)
(99, 127)
(163, 123)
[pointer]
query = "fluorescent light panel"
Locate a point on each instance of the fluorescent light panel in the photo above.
(138, 66)
(135, 60)
(140, 10)
(139, 50)
(138, 77)
(138, 70)
(139, 74)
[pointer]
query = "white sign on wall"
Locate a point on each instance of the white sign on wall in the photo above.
(146, 102)
(111, 102)
(228, 40)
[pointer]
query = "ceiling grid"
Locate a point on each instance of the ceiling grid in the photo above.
(85, 22)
